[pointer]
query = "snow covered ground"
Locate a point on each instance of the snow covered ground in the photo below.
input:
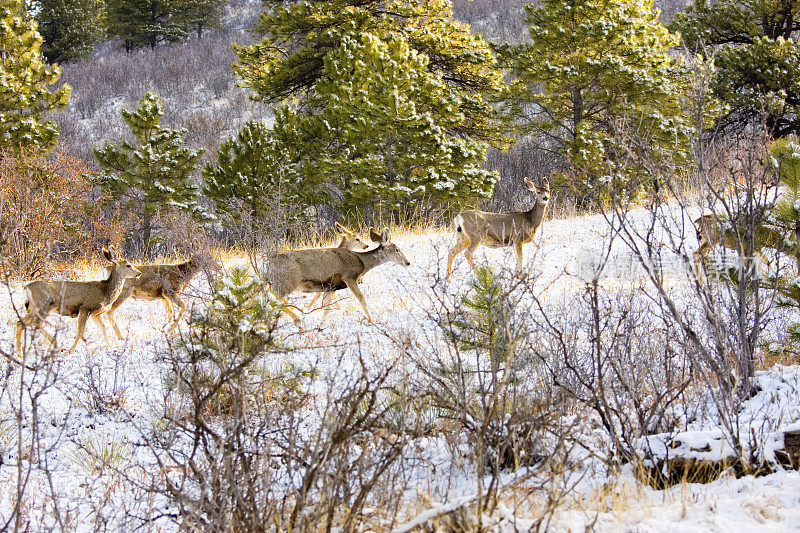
(400, 300)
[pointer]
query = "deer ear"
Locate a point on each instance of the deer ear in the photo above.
(529, 183)
(374, 236)
(545, 183)
(343, 230)
(107, 254)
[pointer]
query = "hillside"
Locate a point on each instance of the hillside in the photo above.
(102, 444)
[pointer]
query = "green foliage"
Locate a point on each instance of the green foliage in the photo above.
(151, 176)
(71, 28)
(226, 338)
(607, 89)
(486, 322)
(240, 321)
(254, 177)
(755, 47)
(785, 216)
(203, 14)
(392, 101)
(140, 23)
(382, 131)
(24, 81)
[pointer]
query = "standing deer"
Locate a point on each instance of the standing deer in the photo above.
(327, 270)
(496, 230)
(163, 282)
(82, 299)
(714, 230)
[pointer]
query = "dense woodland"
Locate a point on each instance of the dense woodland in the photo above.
(245, 128)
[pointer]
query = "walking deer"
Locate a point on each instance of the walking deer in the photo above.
(496, 230)
(165, 282)
(350, 241)
(81, 299)
(327, 270)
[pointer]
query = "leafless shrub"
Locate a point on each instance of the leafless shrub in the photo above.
(493, 385)
(29, 444)
(49, 212)
(194, 77)
(244, 442)
(720, 312)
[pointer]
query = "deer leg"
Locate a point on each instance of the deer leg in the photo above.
(700, 260)
(23, 323)
(460, 246)
(353, 286)
(314, 299)
(83, 315)
(33, 318)
(126, 293)
(473, 245)
(518, 253)
(326, 304)
(177, 301)
(290, 312)
(111, 319)
(99, 319)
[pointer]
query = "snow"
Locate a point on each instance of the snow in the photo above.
(566, 254)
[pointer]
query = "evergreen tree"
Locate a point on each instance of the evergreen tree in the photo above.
(142, 23)
(253, 175)
(382, 129)
(755, 48)
(599, 74)
(306, 53)
(785, 219)
(24, 81)
(71, 28)
(203, 14)
(152, 177)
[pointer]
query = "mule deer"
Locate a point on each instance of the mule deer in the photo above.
(327, 270)
(163, 282)
(350, 241)
(714, 230)
(82, 299)
(495, 230)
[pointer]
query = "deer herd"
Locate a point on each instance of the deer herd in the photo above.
(321, 271)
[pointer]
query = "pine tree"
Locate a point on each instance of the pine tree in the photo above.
(253, 176)
(152, 177)
(24, 81)
(203, 14)
(71, 28)
(785, 219)
(755, 48)
(382, 129)
(599, 72)
(141, 23)
(306, 53)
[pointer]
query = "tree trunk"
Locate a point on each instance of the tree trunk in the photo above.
(147, 229)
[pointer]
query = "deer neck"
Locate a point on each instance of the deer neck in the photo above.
(536, 214)
(114, 284)
(372, 258)
(193, 265)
